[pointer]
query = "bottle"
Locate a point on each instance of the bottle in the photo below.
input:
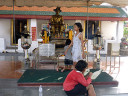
(40, 91)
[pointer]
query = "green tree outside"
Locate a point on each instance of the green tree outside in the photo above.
(126, 30)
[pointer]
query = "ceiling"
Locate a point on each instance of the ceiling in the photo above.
(62, 3)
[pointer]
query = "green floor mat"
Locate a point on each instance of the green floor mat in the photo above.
(52, 76)
(45, 76)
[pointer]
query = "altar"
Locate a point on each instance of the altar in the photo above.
(47, 50)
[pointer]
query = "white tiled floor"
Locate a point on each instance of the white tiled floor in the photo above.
(8, 87)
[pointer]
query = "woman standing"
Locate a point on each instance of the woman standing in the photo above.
(77, 43)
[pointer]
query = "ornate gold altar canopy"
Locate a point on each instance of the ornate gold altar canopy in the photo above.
(62, 3)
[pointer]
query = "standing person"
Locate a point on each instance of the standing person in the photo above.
(68, 57)
(75, 83)
(77, 43)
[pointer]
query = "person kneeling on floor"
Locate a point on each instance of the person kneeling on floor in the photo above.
(68, 58)
(75, 83)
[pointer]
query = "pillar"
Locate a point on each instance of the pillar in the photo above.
(33, 29)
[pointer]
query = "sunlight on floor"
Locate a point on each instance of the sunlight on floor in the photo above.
(122, 76)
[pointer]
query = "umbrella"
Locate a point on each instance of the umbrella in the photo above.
(62, 3)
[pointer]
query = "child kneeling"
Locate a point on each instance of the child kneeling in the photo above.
(68, 57)
(75, 83)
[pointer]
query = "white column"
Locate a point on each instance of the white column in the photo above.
(33, 23)
(2, 44)
(98, 54)
(120, 31)
(26, 53)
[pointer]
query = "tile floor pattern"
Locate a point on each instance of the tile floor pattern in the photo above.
(11, 67)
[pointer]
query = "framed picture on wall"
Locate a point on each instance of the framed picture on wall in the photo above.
(92, 28)
(45, 27)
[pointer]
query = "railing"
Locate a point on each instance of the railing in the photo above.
(35, 61)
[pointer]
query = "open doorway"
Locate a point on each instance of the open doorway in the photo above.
(19, 27)
(92, 28)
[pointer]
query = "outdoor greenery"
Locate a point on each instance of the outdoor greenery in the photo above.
(126, 30)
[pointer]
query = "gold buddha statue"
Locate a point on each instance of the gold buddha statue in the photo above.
(57, 23)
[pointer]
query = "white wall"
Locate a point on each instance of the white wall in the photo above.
(112, 29)
(39, 23)
(108, 29)
(120, 31)
(5, 30)
(70, 22)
